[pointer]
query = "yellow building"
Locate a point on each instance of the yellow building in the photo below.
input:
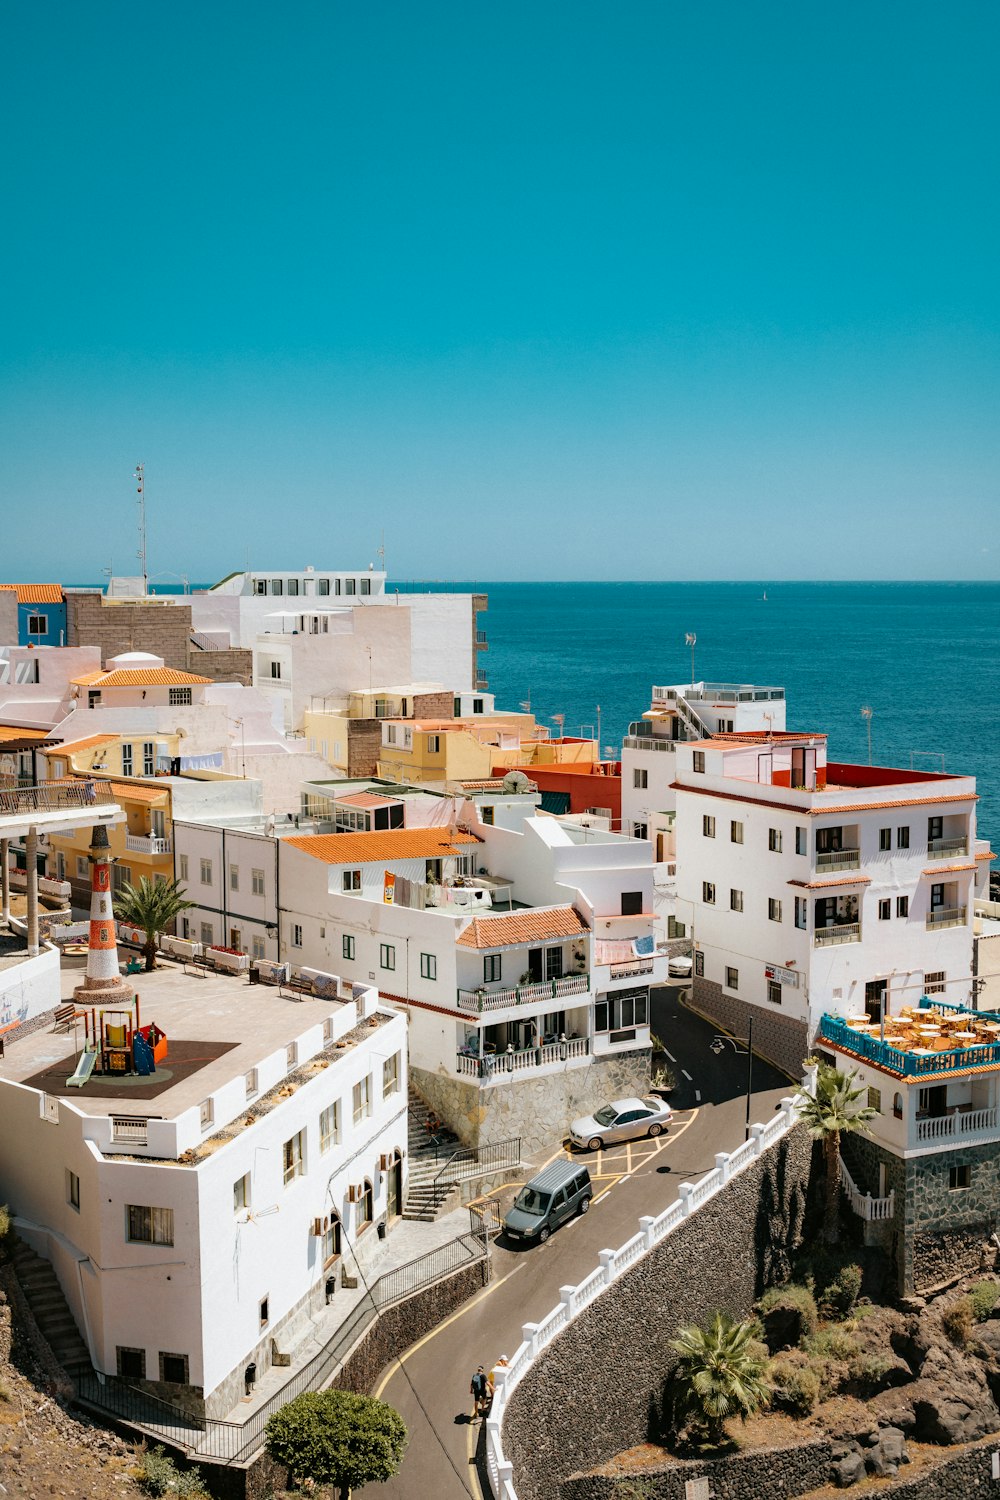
(432, 752)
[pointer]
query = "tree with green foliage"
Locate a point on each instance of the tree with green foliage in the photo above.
(151, 905)
(835, 1109)
(722, 1372)
(339, 1438)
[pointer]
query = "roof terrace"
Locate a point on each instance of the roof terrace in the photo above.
(936, 1037)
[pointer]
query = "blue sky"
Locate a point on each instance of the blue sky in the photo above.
(544, 290)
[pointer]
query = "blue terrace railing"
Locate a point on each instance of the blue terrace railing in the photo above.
(908, 1064)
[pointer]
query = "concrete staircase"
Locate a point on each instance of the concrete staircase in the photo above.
(45, 1297)
(425, 1200)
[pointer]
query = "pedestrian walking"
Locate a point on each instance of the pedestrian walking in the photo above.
(480, 1391)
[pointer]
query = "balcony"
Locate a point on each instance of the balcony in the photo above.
(148, 844)
(830, 937)
(632, 969)
(482, 644)
(536, 992)
(839, 859)
(958, 1125)
(906, 1059)
(945, 848)
(647, 742)
(497, 1068)
(55, 796)
(946, 916)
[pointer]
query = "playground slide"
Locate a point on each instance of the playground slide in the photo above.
(84, 1068)
(142, 1055)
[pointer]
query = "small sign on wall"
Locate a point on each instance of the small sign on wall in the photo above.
(697, 1489)
(781, 975)
(996, 1465)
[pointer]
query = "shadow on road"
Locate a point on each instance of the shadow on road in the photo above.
(717, 1063)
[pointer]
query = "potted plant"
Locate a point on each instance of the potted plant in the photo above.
(663, 1081)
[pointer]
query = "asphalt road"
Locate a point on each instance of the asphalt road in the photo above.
(429, 1385)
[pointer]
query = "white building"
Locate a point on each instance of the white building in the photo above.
(193, 1232)
(523, 954)
(819, 887)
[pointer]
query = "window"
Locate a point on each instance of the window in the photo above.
(627, 1008)
(329, 1127)
(149, 1226)
(935, 829)
(126, 760)
(82, 868)
(250, 1082)
(293, 1157)
(640, 830)
(366, 1206)
(735, 832)
(902, 838)
(293, 585)
(362, 1099)
(732, 979)
(959, 1178)
(707, 827)
(676, 929)
(121, 876)
(885, 910)
(257, 882)
(428, 966)
(492, 968)
(934, 984)
(885, 838)
(351, 880)
(902, 906)
(173, 1368)
(486, 815)
(773, 909)
(276, 669)
(179, 697)
(773, 992)
(38, 624)
(131, 1363)
(433, 744)
(241, 1193)
(366, 585)
(390, 1076)
(292, 1055)
(386, 956)
(148, 758)
(323, 586)
(183, 866)
(277, 585)
(553, 963)
(708, 893)
(331, 1241)
(735, 900)
(256, 946)
(265, 1311)
(698, 760)
(897, 1106)
(801, 912)
(206, 872)
(802, 841)
(296, 935)
(73, 1190)
(207, 934)
(234, 877)
(640, 779)
(349, 585)
(631, 903)
(347, 946)
(774, 840)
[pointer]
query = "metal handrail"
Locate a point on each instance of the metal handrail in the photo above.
(53, 796)
(477, 1156)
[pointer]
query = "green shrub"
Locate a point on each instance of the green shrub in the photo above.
(338, 1437)
(788, 1314)
(797, 1384)
(957, 1321)
(841, 1293)
(871, 1369)
(157, 1474)
(5, 1229)
(983, 1297)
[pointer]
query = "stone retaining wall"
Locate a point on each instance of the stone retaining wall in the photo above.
(781, 1039)
(559, 1420)
(764, 1474)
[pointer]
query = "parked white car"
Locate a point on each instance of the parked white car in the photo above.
(680, 967)
(624, 1120)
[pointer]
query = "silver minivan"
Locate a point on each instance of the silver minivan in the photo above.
(560, 1190)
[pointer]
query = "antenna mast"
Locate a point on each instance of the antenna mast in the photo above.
(380, 553)
(140, 478)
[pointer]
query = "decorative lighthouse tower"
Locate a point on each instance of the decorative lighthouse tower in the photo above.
(103, 984)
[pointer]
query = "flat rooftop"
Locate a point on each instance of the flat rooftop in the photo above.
(920, 1041)
(238, 1025)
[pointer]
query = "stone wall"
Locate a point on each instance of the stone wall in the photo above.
(781, 1039)
(539, 1109)
(164, 629)
(235, 665)
(434, 705)
(364, 746)
(561, 1421)
(762, 1474)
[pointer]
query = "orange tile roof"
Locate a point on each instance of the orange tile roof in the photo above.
(143, 677)
(522, 927)
(818, 885)
(947, 869)
(15, 735)
(379, 847)
(364, 799)
(36, 593)
(986, 854)
(72, 746)
(136, 791)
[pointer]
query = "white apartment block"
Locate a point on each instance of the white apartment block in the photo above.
(194, 1232)
(818, 887)
(522, 953)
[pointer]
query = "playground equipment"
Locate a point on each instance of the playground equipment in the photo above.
(119, 1043)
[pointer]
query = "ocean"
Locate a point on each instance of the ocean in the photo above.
(925, 657)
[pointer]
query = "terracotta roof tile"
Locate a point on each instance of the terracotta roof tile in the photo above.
(818, 885)
(72, 746)
(522, 927)
(364, 799)
(986, 854)
(143, 677)
(13, 734)
(36, 593)
(136, 791)
(381, 848)
(947, 869)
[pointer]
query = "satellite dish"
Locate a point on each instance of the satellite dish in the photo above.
(515, 781)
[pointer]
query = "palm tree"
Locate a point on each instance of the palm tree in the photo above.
(151, 905)
(722, 1372)
(834, 1110)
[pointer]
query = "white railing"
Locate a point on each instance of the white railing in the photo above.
(961, 1123)
(141, 843)
(646, 742)
(864, 1205)
(947, 916)
(129, 1128)
(613, 1263)
(941, 848)
(523, 994)
(632, 968)
(846, 932)
(839, 859)
(495, 1065)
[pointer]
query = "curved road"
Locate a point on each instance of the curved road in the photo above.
(429, 1384)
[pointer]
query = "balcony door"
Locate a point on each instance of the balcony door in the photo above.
(876, 995)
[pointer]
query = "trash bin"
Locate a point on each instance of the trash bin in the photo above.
(254, 974)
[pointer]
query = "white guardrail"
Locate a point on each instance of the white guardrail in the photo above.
(614, 1263)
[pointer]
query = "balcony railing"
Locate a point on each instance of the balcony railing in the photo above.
(958, 1125)
(828, 937)
(142, 843)
(55, 796)
(632, 968)
(941, 848)
(533, 993)
(482, 644)
(839, 859)
(647, 742)
(947, 916)
(907, 1064)
(129, 1128)
(864, 1205)
(500, 1065)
